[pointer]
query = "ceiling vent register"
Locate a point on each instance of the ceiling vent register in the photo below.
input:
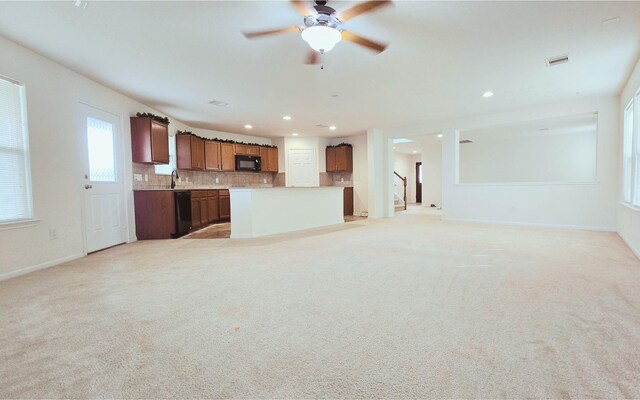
(553, 61)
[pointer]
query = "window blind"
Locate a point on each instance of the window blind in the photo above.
(15, 179)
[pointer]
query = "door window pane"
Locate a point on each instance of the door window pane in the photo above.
(102, 163)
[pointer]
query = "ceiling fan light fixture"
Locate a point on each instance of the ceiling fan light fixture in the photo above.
(321, 38)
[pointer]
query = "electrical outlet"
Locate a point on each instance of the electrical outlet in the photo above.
(264, 180)
(137, 177)
(341, 179)
(146, 177)
(217, 180)
(53, 234)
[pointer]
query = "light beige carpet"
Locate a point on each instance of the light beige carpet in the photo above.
(407, 307)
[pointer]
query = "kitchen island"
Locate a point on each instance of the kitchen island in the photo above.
(266, 211)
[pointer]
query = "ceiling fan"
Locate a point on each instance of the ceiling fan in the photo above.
(321, 29)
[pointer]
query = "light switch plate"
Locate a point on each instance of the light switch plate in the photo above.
(137, 177)
(146, 177)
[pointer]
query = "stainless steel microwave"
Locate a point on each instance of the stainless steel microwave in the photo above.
(248, 163)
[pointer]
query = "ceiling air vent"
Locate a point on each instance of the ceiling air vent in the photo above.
(552, 61)
(466, 141)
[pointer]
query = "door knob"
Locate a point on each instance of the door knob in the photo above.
(88, 186)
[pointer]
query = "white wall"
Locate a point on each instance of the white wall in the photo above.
(53, 96)
(589, 206)
(209, 134)
(541, 158)
(431, 174)
(628, 222)
(360, 171)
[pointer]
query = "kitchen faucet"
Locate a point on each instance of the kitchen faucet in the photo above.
(173, 183)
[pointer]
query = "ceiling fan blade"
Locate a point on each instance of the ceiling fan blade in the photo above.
(359, 9)
(357, 39)
(312, 58)
(302, 7)
(253, 35)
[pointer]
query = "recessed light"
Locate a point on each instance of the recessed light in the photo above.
(247, 126)
(487, 94)
(333, 127)
(286, 118)
(415, 151)
(394, 147)
(439, 134)
(294, 134)
(219, 103)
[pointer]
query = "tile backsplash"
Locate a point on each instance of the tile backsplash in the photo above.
(207, 179)
(200, 179)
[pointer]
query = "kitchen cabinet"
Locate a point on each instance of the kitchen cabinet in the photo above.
(225, 205)
(155, 211)
(348, 201)
(213, 206)
(190, 152)
(212, 159)
(247, 150)
(201, 207)
(269, 159)
(339, 159)
(149, 141)
(227, 157)
(155, 214)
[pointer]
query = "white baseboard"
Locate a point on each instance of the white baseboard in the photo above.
(48, 264)
(628, 243)
(532, 224)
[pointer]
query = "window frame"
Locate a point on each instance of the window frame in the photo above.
(30, 219)
(633, 180)
(627, 140)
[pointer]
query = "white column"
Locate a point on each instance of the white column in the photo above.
(380, 168)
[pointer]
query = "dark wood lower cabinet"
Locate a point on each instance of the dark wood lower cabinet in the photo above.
(225, 205)
(155, 211)
(155, 214)
(348, 201)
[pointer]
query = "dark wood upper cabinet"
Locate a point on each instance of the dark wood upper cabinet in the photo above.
(190, 151)
(269, 159)
(247, 150)
(331, 159)
(149, 141)
(339, 159)
(227, 157)
(212, 156)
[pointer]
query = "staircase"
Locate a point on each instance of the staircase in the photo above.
(399, 192)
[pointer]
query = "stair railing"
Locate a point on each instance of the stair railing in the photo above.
(404, 188)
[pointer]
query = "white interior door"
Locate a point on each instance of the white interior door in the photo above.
(302, 169)
(103, 183)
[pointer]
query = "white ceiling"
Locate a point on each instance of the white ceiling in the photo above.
(178, 56)
(417, 144)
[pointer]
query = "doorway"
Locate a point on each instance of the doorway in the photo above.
(104, 216)
(419, 182)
